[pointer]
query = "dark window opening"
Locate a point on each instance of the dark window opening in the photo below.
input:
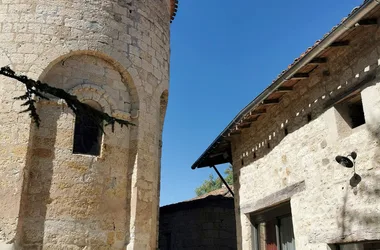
(351, 109)
(268, 145)
(309, 118)
(254, 155)
(87, 135)
(273, 229)
(242, 162)
(286, 131)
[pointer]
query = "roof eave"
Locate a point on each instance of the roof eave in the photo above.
(324, 43)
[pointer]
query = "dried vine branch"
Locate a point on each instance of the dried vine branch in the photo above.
(39, 89)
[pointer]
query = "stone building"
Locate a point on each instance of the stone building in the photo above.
(206, 222)
(65, 185)
(290, 191)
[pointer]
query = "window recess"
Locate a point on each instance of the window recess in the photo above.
(351, 110)
(273, 229)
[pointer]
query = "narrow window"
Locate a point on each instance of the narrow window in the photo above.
(87, 134)
(286, 131)
(351, 110)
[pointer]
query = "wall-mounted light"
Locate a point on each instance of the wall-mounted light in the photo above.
(345, 161)
(349, 162)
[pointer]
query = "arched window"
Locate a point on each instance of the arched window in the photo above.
(87, 133)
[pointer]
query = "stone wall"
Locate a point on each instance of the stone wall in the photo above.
(207, 223)
(115, 53)
(272, 165)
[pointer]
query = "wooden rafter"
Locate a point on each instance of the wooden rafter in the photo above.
(271, 101)
(318, 60)
(251, 118)
(368, 21)
(245, 125)
(235, 132)
(340, 44)
(284, 89)
(300, 76)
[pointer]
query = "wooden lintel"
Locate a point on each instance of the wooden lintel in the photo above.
(368, 21)
(300, 76)
(284, 89)
(357, 87)
(318, 60)
(340, 44)
(271, 101)
(274, 198)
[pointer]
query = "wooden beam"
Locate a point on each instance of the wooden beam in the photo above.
(340, 44)
(271, 101)
(318, 60)
(358, 86)
(236, 132)
(251, 119)
(245, 125)
(300, 76)
(273, 199)
(258, 112)
(366, 22)
(284, 89)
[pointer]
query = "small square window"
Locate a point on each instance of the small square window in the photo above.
(351, 110)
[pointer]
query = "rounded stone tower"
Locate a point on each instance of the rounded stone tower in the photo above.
(65, 185)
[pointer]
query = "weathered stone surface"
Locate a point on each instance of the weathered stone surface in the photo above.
(274, 199)
(51, 198)
(206, 223)
(329, 210)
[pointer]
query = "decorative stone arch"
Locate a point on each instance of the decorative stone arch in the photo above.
(44, 63)
(95, 93)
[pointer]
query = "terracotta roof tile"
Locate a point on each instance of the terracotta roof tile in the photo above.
(221, 191)
(317, 43)
(173, 8)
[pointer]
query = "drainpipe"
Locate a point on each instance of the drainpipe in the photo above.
(223, 180)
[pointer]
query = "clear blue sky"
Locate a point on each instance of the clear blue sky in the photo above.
(224, 53)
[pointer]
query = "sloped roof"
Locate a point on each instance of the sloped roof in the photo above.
(221, 195)
(221, 191)
(219, 151)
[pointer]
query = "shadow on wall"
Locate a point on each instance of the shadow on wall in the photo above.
(36, 195)
(367, 187)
